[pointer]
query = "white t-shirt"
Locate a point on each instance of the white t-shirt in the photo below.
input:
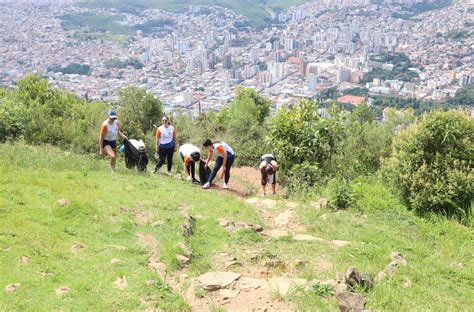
(112, 130)
(187, 149)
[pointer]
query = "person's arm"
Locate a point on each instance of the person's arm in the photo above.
(120, 132)
(208, 159)
(174, 138)
(185, 166)
(157, 143)
(103, 131)
(222, 151)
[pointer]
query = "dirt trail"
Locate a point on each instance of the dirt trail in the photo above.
(250, 282)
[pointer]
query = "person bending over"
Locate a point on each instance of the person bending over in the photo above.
(165, 145)
(108, 137)
(190, 154)
(268, 168)
(225, 159)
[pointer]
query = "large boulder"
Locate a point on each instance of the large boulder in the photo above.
(217, 280)
(350, 302)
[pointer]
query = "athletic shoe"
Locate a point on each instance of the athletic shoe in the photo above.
(225, 186)
(206, 185)
(169, 173)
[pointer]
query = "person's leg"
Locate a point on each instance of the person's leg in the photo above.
(274, 183)
(111, 154)
(169, 156)
(216, 168)
(161, 159)
(191, 169)
(228, 165)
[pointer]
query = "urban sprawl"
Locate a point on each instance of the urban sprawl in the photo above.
(194, 60)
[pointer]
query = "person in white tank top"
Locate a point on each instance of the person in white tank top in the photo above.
(108, 137)
(165, 145)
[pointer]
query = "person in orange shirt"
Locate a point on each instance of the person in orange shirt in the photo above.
(225, 159)
(165, 144)
(108, 137)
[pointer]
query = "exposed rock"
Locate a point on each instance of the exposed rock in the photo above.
(157, 223)
(268, 203)
(76, 247)
(322, 203)
(291, 205)
(228, 293)
(187, 251)
(12, 287)
(284, 218)
(275, 233)
(298, 264)
(354, 279)
(225, 222)
(305, 237)
(275, 263)
(25, 259)
(244, 225)
(397, 260)
(397, 257)
(284, 285)
(350, 302)
(118, 247)
(183, 260)
(252, 201)
(64, 202)
(187, 230)
(406, 284)
(456, 265)
(116, 261)
(217, 280)
(61, 290)
(250, 283)
(121, 283)
(339, 243)
(46, 274)
(391, 267)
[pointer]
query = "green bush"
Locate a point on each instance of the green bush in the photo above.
(304, 178)
(432, 164)
(340, 193)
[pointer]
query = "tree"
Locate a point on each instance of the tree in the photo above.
(432, 164)
(262, 103)
(138, 111)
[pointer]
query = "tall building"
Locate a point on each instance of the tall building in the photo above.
(227, 61)
(303, 68)
(343, 75)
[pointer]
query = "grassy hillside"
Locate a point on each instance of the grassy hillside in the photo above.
(254, 10)
(44, 246)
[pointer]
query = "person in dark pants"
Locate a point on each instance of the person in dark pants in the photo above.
(225, 159)
(165, 145)
(190, 154)
(268, 168)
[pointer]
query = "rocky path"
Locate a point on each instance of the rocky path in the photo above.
(245, 280)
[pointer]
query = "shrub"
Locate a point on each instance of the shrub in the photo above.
(340, 193)
(432, 164)
(304, 178)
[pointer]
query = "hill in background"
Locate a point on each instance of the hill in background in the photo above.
(255, 11)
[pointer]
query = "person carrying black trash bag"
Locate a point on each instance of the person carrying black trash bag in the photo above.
(165, 145)
(225, 158)
(135, 154)
(268, 168)
(190, 154)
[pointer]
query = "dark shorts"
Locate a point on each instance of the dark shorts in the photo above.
(112, 144)
(265, 178)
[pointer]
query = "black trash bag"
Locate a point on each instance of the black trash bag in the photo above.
(204, 172)
(135, 157)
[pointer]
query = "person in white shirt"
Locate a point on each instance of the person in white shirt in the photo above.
(190, 154)
(268, 168)
(165, 144)
(108, 137)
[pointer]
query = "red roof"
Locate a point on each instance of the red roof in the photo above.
(351, 99)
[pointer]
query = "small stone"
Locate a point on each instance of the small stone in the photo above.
(320, 204)
(350, 302)
(226, 294)
(121, 283)
(46, 274)
(25, 259)
(397, 257)
(76, 247)
(252, 201)
(116, 261)
(63, 202)
(157, 223)
(61, 290)
(183, 260)
(275, 233)
(456, 265)
(275, 263)
(187, 251)
(298, 264)
(305, 237)
(12, 287)
(406, 284)
(187, 230)
(118, 247)
(339, 243)
(217, 280)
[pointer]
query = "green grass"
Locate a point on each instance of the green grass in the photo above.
(98, 36)
(102, 214)
(253, 10)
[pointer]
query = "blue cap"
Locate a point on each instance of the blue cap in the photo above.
(112, 114)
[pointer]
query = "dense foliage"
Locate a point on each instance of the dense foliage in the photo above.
(432, 164)
(78, 69)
